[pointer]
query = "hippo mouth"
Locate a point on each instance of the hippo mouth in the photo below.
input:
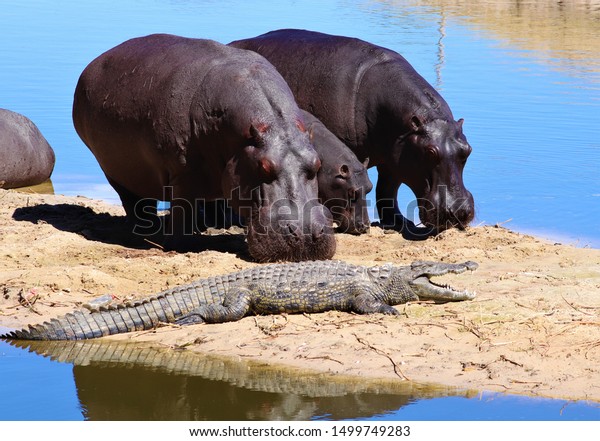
(441, 210)
(274, 239)
(349, 216)
(427, 289)
(347, 222)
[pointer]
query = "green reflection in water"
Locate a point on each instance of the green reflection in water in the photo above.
(129, 381)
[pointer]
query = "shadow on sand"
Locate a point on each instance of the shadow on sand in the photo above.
(110, 229)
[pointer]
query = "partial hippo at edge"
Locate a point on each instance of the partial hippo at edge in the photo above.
(379, 106)
(180, 119)
(343, 179)
(26, 158)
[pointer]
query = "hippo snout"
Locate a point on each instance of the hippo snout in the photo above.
(448, 212)
(274, 237)
(350, 224)
(463, 215)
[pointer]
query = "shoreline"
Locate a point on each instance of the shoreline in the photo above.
(533, 328)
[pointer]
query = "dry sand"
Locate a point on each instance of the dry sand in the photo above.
(533, 328)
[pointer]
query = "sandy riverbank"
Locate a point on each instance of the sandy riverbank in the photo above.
(534, 327)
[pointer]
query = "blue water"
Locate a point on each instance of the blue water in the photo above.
(532, 115)
(40, 389)
(36, 388)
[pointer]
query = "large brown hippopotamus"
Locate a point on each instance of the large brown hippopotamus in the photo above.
(26, 158)
(380, 107)
(180, 119)
(343, 179)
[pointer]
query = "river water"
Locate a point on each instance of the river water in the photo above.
(525, 76)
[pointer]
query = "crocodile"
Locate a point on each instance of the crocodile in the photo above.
(303, 287)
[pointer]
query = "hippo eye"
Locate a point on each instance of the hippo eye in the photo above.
(312, 170)
(433, 153)
(266, 168)
(300, 126)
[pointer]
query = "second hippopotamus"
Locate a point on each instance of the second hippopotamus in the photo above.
(343, 179)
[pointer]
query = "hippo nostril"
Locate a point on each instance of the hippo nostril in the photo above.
(463, 215)
(293, 230)
(317, 232)
(460, 218)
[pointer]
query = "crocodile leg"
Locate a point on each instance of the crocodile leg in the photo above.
(236, 304)
(368, 299)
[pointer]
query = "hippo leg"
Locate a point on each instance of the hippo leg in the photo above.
(217, 214)
(141, 212)
(181, 223)
(387, 207)
(204, 215)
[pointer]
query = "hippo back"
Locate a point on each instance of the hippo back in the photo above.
(326, 75)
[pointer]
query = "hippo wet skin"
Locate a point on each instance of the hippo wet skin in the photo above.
(185, 120)
(26, 158)
(379, 106)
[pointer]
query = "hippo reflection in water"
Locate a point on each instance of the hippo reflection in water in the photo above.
(379, 106)
(178, 119)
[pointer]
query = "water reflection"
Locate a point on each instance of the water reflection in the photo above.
(125, 381)
(561, 34)
(45, 187)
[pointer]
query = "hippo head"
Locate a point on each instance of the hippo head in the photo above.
(273, 186)
(343, 186)
(436, 153)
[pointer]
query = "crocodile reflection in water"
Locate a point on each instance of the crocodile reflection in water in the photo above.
(125, 381)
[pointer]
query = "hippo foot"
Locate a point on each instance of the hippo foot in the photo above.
(406, 227)
(180, 244)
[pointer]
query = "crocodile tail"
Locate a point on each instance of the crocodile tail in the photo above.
(115, 319)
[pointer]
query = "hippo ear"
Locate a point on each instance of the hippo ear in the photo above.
(460, 123)
(256, 131)
(416, 123)
(366, 162)
(344, 171)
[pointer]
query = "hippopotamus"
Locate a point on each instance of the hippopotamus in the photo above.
(184, 120)
(375, 102)
(343, 184)
(343, 179)
(26, 158)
